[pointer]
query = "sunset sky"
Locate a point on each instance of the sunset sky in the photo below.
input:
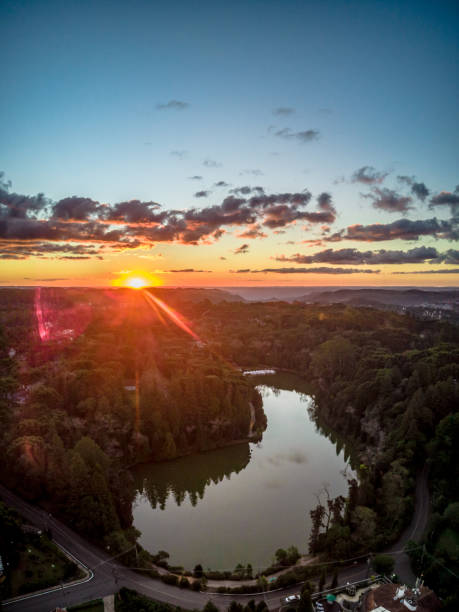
(229, 143)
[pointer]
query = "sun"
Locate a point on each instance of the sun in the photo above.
(136, 279)
(136, 282)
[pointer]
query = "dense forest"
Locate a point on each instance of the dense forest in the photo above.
(96, 381)
(389, 385)
(93, 382)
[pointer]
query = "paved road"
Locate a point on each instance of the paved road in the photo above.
(108, 576)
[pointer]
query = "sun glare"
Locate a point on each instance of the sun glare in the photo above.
(134, 279)
(136, 282)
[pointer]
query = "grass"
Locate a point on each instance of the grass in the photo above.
(41, 565)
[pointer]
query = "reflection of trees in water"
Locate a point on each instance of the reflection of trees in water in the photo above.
(189, 475)
(340, 443)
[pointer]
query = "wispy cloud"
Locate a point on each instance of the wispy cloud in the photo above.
(177, 105)
(283, 111)
(211, 163)
(368, 175)
(303, 136)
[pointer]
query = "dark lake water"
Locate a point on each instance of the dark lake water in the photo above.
(241, 503)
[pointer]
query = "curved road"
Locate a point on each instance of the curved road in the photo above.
(107, 576)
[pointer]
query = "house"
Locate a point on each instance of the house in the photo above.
(400, 598)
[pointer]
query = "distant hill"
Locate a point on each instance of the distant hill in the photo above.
(194, 294)
(388, 297)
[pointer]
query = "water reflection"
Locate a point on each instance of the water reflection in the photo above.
(189, 476)
(239, 504)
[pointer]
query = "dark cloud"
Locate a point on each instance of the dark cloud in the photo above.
(302, 136)
(321, 270)
(368, 175)
(222, 258)
(403, 229)
(283, 111)
(188, 270)
(439, 271)
(196, 177)
(353, 256)
(173, 105)
(420, 191)
(246, 190)
(18, 206)
(211, 163)
(202, 194)
(389, 200)
(447, 198)
(221, 184)
(242, 250)
(242, 271)
(135, 211)
(76, 209)
(451, 256)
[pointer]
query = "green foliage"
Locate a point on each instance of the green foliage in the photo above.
(383, 564)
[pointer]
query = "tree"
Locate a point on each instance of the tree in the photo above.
(383, 564)
(305, 604)
(322, 580)
(334, 582)
(198, 571)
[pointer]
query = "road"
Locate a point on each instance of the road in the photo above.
(106, 576)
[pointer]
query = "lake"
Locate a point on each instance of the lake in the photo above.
(239, 504)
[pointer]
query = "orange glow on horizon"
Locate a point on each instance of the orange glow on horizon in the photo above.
(136, 279)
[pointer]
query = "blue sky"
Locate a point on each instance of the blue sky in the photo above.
(375, 83)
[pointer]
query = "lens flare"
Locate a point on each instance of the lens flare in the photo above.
(175, 317)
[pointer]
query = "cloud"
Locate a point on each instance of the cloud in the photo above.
(353, 256)
(221, 184)
(18, 206)
(446, 198)
(253, 231)
(186, 270)
(451, 256)
(439, 271)
(283, 111)
(76, 208)
(173, 105)
(252, 171)
(202, 194)
(403, 229)
(222, 258)
(418, 189)
(242, 250)
(320, 270)
(211, 163)
(389, 200)
(368, 175)
(46, 279)
(246, 190)
(196, 177)
(180, 154)
(302, 136)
